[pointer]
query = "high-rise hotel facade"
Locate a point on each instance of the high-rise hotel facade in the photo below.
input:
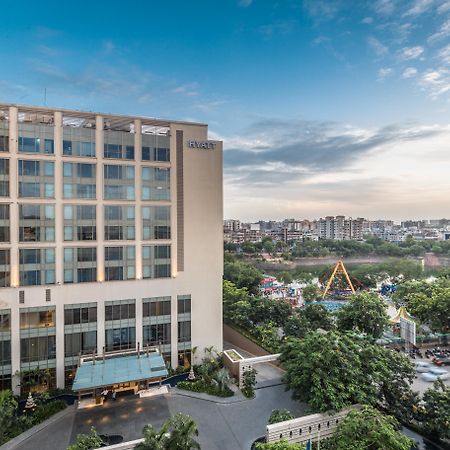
(110, 238)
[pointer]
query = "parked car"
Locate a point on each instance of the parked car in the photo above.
(433, 376)
(423, 367)
(110, 439)
(437, 362)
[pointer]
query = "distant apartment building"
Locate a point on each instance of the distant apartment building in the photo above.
(110, 238)
(341, 228)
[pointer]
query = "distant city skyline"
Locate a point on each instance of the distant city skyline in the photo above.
(372, 219)
(322, 105)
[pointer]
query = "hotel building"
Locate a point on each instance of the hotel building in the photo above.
(110, 238)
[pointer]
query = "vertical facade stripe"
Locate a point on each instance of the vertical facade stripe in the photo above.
(180, 202)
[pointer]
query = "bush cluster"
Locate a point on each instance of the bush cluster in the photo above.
(201, 386)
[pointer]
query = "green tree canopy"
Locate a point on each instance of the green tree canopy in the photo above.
(311, 292)
(368, 429)
(280, 415)
(330, 371)
(87, 441)
(8, 407)
(364, 313)
(436, 410)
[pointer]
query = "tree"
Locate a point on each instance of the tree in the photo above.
(8, 407)
(153, 440)
(87, 441)
(285, 277)
(317, 316)
(242, 275)
(279, 415)
(311, 292)
(181, 433)
(222, 378)
(436, 410)
(365, 313)
(249, 381)
(368, 429)
(330, 371)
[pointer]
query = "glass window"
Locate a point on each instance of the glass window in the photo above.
(155, 183)
(156, 261)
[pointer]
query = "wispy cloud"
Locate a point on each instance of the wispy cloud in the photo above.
(409, 72)
(443, 32)
(322, 9)
(384, 72)
(189, 89)
(444, 7)
(367, 20)
(408, 53)
(282, 27)
(245, 3)
(379, 48)
(419, 7)
(444, 55)
(384, 7)
(436, 82)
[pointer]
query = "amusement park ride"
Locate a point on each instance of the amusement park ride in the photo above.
(340, 284)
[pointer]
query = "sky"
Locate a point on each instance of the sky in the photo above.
(325, 107)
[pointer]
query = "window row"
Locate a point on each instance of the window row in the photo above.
(37, 180)
(37, 266)
(37, 222)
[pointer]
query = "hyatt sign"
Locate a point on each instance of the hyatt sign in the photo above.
(202, 144)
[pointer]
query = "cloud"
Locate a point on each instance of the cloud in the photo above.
(411, 52)
(384, 7)
(384, 72)
(444, 55)
(419, 7)
(306, 168)
(279, 151)
(377, 46)
(409, 72)
(282, 27)
(245, 3)
(323, 9)
(444, 7)
(436, 82)
(443, 32)
(189, 89)
(367, 20)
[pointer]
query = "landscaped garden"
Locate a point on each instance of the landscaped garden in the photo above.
(209, 377)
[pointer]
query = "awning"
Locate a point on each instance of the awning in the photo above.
(119, 369)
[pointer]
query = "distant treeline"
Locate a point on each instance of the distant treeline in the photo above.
(371, 246)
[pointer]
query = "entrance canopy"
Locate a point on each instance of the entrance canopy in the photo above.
(103, 372)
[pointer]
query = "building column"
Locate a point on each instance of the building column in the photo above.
(99, 195)
(138, 195)
(174, 331)
(59, 208)
(14, 252)
(139, 325)
(100, 326)
(59, 345)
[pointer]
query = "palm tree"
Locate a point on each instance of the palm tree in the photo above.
(182, 430)
(153, 440)
(223, 378)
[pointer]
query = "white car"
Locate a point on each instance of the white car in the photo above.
(423, 367)
(433, 376)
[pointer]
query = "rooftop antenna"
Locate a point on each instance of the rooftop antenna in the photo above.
(45, 96)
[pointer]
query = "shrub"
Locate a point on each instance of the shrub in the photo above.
(201, 386)
(44, 411)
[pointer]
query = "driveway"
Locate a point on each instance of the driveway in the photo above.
(222, 426)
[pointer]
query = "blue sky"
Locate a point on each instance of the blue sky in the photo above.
(325, 107)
